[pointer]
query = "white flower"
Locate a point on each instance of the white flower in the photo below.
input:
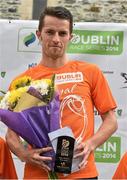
(4, 102)
(11, 98)
(41, 86)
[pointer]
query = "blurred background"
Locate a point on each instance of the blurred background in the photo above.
(83, 10)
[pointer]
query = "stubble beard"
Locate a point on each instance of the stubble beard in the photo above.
(54, 54)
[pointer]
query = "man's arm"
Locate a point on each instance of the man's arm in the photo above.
(107, 128)
(27, 155)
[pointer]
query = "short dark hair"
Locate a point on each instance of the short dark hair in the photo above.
(56, 11)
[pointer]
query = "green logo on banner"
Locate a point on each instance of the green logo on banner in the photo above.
(109, 152)
(96, 42)
(3, 74)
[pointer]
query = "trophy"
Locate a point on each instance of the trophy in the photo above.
(63, 143)
(64, 154)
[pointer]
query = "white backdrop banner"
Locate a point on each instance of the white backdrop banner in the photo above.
(104, 44)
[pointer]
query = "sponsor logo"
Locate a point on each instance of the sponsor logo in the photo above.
(29, 39)
(124, 76)
(65, 143)
(108, 72)
(96, 42)
(31, 65)
(109, 152)
(3, 73)
(118, 112)
(69, 77)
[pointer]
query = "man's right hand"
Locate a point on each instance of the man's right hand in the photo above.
(33, 156)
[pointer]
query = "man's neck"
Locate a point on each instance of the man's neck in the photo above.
(54, 63)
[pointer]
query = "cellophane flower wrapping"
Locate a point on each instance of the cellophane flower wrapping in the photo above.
(33, 124)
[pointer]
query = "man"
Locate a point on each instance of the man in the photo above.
(121, 170)
(81, 85)
(7, 167)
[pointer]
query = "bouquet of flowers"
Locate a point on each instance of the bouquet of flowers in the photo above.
(31, 109)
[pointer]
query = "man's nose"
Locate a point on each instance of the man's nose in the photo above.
(56, 38)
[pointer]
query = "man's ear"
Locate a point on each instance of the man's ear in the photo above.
(71, 36)
(38, 33)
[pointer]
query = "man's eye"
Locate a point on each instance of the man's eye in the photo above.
(50, 32)
(62, 33)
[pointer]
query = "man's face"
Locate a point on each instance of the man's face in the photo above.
(55, 36)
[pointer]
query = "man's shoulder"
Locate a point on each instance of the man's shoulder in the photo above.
(83, 64)
(26, 73)
(30, 70)
(35, 67)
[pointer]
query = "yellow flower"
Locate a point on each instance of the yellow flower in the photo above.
(37, 82)
(15, 96)
(21, 82)
(1, 97)
(21, 85)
